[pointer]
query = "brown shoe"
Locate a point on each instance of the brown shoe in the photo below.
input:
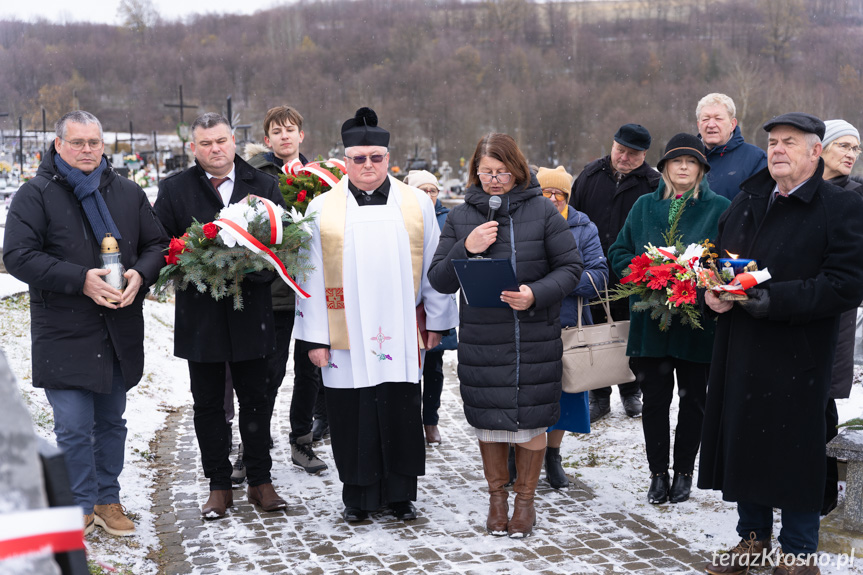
(528, 462)
(494, 456)
(265, 497)
(432, 434)
(89, 524)
(748, 553)
(112, 518)
(787, 564)
(217, 504)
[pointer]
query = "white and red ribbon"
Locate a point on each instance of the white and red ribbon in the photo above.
(295, 167)
(249, 242)
(744, 281)
(54, 530)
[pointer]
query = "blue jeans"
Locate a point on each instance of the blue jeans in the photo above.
(799, 534)
(91, 431)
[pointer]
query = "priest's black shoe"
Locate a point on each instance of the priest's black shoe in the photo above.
(599, 407)
(404, 510)
(658, 492)
(632, 404)
(352, 514)
(680, 487)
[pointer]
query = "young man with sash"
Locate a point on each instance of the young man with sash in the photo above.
(373, 239)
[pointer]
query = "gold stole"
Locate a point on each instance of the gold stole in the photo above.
(332, 224)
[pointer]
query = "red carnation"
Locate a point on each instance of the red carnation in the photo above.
(639, 266)
(301, 197)
(210, 230)
(289, 181)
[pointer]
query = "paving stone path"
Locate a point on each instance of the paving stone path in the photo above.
(448, 537)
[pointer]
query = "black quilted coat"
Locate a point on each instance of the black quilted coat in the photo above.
(509, 362)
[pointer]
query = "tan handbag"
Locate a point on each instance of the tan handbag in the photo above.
(594, 356)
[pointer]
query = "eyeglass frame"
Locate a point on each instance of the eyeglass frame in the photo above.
(75, 145)
(556, 193)
(491, 177)
(845, 147)
(361, 160)
(432, 192)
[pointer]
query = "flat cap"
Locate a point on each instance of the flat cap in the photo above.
(803, 122)
(633, 136)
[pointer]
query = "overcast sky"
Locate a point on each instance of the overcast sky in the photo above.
(105, 11)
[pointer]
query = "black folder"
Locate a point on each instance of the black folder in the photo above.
(482, 280)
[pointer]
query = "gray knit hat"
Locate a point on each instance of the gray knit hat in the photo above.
(836, 129)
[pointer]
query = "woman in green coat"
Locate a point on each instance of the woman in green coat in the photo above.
(657, 355)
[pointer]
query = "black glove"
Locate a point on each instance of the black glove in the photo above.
(758, 303)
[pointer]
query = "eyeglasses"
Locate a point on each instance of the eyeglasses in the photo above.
(558, 195)
(502, 178)
(78, 145)
(431, 191)
(846, 147)
(360, 160)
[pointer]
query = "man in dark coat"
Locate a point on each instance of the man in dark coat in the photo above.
(763, 437)
(88, 337)
(283, 126)
(605, 191)
(209, 333)
(731, 159)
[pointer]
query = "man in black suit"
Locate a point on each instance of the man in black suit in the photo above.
(210, 333)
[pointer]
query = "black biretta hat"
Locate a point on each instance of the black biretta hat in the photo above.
(684, 145)
(363, 130)
(803, 122)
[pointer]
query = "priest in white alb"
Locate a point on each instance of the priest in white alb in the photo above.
(371, 315)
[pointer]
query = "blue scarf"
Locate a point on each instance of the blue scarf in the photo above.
(87, 191)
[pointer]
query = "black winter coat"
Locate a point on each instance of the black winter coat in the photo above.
(607, 203)
(764, 427)
(206, 330)
(509, 362)
(843, 365)
(50, 246)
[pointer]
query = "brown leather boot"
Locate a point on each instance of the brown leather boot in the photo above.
(796, 564)
(528, 462)
(266, 498)
(494, 456)
(748, 553)
(217, 504)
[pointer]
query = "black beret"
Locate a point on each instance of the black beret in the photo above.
(363, 130)
(803, 122)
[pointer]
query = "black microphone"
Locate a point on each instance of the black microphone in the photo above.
(493, 205)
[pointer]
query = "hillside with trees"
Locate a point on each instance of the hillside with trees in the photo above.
(559, 76)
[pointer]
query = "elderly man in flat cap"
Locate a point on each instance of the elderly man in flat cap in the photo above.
(763, 437)
(365, 324)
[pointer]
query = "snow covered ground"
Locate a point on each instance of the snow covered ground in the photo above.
(610, 460)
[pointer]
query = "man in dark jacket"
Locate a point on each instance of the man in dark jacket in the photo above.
(731, 159)
(283, 127)
(209, 333)
(88, 337)
(605, 191)
(773, 353)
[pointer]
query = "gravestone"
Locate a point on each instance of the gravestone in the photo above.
(842, 530)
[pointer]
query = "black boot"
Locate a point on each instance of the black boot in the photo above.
(680, 487)
(554, 472)
(599, 407)
(510, 463)
(658, 492)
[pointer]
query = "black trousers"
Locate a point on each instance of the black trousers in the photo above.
(432, 386)
(214, 433)
(831, 487)
(620, 312)
(656, 376)
(307, 377)
(378, 444)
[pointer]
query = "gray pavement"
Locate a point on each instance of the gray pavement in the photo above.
(449, 536)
